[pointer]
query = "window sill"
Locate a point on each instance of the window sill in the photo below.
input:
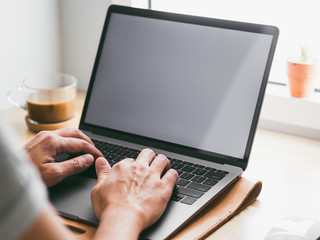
(283, 113)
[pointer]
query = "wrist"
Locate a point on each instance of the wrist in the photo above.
(120, 223)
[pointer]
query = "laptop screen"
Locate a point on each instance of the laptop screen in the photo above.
(178, 82)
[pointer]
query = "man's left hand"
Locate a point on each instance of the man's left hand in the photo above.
(46, 145)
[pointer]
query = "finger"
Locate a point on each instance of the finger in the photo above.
(170, 178)
(74, 133)
(75, 145)
(75, 165)
(102, 168)
(160, 164)
(146, 156)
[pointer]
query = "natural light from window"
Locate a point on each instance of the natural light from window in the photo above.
(296, 19)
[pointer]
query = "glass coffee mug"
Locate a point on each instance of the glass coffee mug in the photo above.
(48, 98)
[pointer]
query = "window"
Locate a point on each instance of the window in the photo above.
(298, 23)
(296, 19)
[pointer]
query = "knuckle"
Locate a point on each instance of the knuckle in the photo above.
(162, 156)
(76, 131)
(119, 165)
(56, 171)
(76, 163)
(174, 173)
(83, 145)
(141, 167)
(123, 163)
(129, 160)
(49, 137)
(148, 151)
(135, 167)
(116, 166)
(43, 134)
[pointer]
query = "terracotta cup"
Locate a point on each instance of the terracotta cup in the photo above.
(301, 78)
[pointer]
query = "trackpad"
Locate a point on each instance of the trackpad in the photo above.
(72, 199)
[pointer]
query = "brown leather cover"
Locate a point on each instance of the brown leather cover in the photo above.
(223, 208)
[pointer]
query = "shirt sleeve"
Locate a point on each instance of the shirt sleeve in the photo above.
(22, 193)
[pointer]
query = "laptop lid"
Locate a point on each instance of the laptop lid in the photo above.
(185, 84)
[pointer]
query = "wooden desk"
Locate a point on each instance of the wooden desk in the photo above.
(288, 166)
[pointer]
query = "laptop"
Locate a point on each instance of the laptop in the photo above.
(188, 87)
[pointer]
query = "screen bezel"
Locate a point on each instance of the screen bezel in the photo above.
(189, 151)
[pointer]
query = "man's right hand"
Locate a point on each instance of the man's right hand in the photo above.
(134, 193)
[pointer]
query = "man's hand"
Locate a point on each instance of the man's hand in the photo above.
(133, 193)
(46, 145)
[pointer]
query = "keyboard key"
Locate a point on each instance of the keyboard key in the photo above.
(198, 186)
(188, 169)
(177, 197)
(214, 175)
(182, 182)
(118, 159)
(188, 192)
(188, 200)
(172, 161)
(134, 150)
(177, 166)
(198, 165)
(133, 155)
(200, 172)
(210, 182)
(187, 176)
(114, 150)
(110, 156)
(223, 172)
(177, 160)
(198, 179)
(179, 172)
(188, 163)
(123, 152)
(210, 169)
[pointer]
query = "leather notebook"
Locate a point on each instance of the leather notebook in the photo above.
(222, 209)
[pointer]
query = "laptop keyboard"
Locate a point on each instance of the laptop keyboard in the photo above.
(194, 179)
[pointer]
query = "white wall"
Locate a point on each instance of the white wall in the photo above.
(81, 23)
(38, 36)
(29, 34)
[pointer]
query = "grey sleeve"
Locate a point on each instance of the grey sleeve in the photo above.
(22, 193)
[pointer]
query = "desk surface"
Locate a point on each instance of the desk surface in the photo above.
(288, 166)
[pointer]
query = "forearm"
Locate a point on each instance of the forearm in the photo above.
(46, 226)
(119, 224)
